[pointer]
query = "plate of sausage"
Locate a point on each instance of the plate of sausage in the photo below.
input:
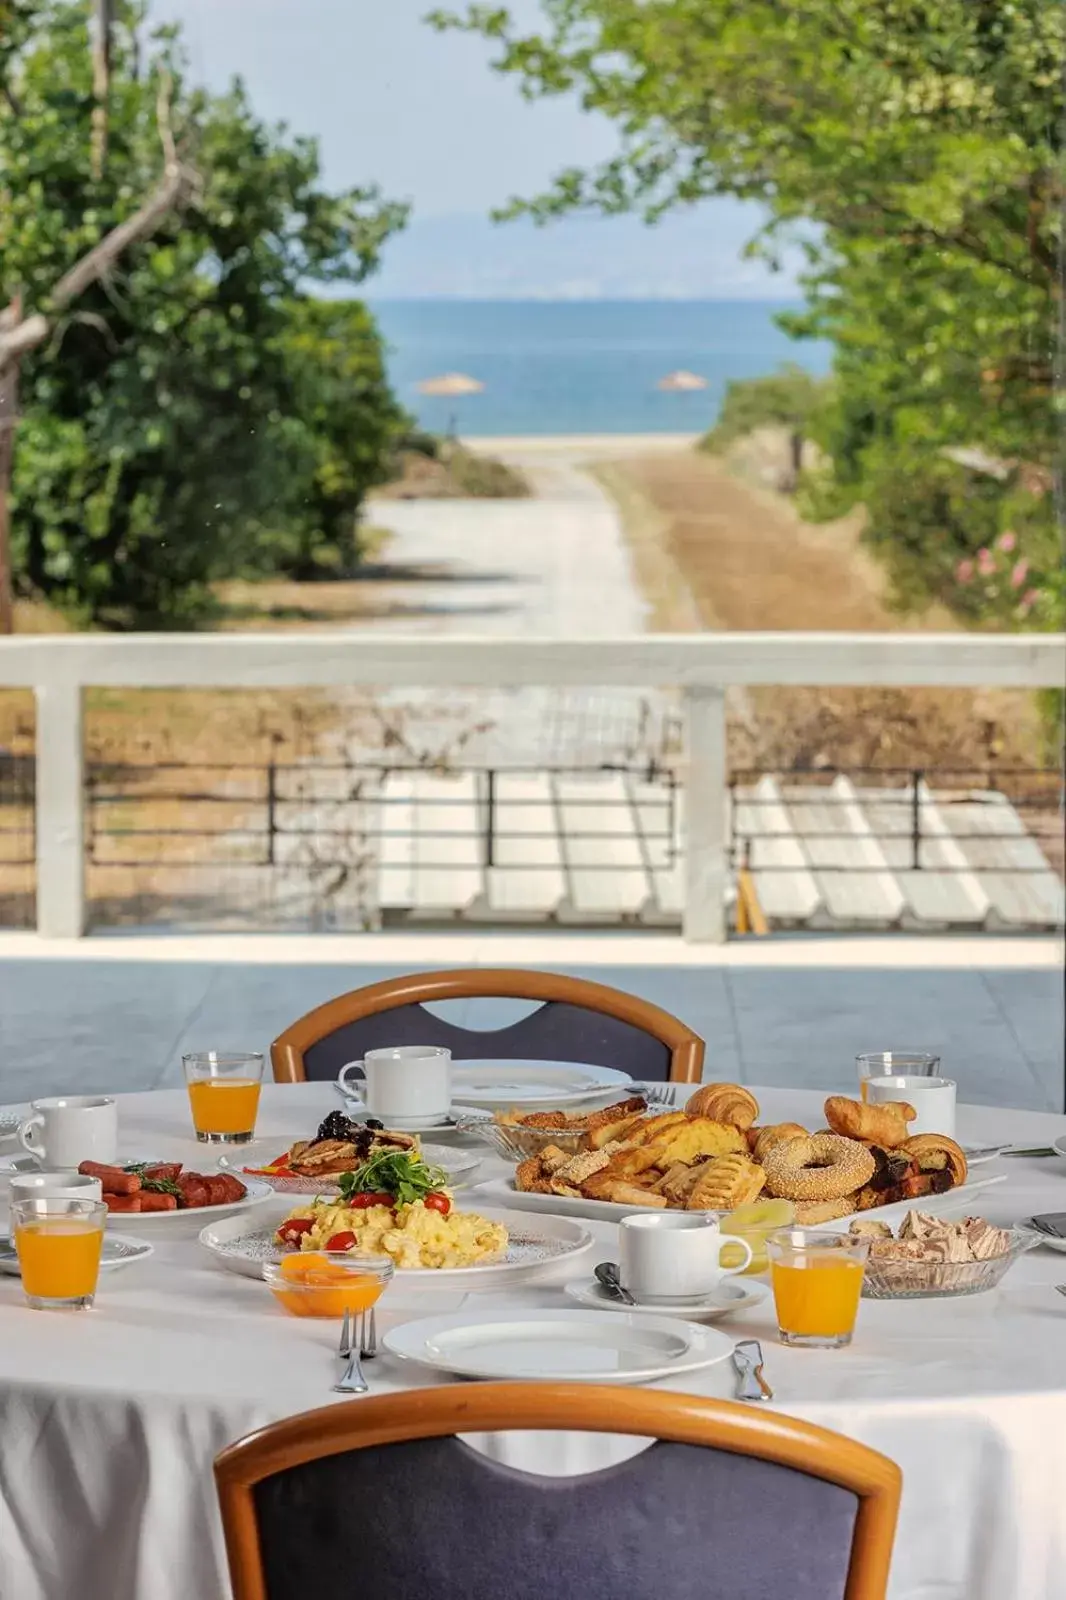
(154, 1192)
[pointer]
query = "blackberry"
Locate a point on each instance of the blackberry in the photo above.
(337, 1126)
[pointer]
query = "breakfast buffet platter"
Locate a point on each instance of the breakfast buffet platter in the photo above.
(712, 1155)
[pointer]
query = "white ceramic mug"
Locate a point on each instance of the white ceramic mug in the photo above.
(411, 1083)
(54, 1186)
(73, 1129)
(667, 1256)
(932, 1098)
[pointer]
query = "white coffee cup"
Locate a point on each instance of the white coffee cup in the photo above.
(932, 1098)
(73, 1129)
(411, 1083)
(668, 1256)
(54, 1185)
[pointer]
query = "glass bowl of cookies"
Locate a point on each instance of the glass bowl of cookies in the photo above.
(934, 1257)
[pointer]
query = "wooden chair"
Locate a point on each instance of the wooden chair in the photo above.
(380, 1494)
(577, 1021)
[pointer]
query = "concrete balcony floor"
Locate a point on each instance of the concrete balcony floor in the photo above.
(116, 1012)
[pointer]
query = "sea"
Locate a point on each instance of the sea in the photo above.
(582, 366)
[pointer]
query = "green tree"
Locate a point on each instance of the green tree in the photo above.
(924, 144)
(170, 433)
(788, 398)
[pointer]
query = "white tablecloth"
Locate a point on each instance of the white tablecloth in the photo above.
(109, 1421)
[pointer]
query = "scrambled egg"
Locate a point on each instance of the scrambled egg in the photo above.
(412, 1235)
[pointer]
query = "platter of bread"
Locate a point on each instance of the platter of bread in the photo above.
(714, 1154)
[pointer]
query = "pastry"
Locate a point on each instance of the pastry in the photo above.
(726, 1182)
(935, 1152)
(825, 1167)
(884, 1124)
(695, 1137)
(815, 1211)
(531, 1178)
(774, 1134)
(724, 1102)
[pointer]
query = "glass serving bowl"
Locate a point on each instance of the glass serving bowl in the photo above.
(516, 1143)
(933, 1280)
(323, 1283)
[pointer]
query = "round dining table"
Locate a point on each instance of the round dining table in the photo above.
(110, 1419)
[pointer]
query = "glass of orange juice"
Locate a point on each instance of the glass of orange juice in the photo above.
(321, 1283)
(223, 1094)
(895, 1064)
(817, 1281)
(58, 1241)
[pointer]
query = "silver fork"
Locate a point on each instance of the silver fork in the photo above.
(368, 1335)
(351, 1380)
(656, 1094)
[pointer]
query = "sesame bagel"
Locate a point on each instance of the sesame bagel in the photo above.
(824, 1167)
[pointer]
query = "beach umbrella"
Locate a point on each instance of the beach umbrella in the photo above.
(678, 381)
(451, 383)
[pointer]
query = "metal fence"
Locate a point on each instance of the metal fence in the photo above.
(897, 802)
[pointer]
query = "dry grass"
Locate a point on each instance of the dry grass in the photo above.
(720, 553)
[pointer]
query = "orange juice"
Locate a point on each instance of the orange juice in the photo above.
(817, 1295)
(224, 1105)
(59, 1257)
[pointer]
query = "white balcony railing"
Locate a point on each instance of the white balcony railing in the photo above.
(702, 666)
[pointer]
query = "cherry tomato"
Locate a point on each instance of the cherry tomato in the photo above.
(438, 1202)
(363, 1202)
(341, 1241)
(294, 1228)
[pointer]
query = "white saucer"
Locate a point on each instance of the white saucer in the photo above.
(359, 1113)
(730, 1296)
(977, 1154)
(118, 1251)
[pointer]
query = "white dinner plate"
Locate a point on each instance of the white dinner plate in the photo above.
(457, 1165)
(560, 1346)
(534, 1250)
(257, 1193)
(495, 1084)
(734, 1294)
(502, 1192)
(117, 1251)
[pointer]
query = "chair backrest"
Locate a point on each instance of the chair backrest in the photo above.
(576, 1021)
(730, 1503)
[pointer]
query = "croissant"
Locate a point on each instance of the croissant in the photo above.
(776, 1133)
(884, 1124)
(935, 1152)
(724, 1102)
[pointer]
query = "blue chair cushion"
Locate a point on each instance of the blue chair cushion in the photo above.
(435, 1520)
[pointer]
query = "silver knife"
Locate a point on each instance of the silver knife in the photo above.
(747, 1359)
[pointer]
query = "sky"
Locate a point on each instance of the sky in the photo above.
(422, 115)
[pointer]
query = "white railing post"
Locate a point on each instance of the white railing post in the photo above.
(60, 812)
(706, 865)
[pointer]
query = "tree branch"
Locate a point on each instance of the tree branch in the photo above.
(179, 181)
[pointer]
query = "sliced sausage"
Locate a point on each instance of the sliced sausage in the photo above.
(112, 1179)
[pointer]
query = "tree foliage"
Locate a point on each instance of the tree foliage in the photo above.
(196, 414)
(789, 398)
(924, 144)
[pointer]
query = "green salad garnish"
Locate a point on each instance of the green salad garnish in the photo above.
(406, 1177)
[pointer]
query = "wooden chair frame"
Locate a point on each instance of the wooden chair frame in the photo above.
(503, 1407)
(478, 983)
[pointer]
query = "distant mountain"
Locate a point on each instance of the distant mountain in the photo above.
(694, 255)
